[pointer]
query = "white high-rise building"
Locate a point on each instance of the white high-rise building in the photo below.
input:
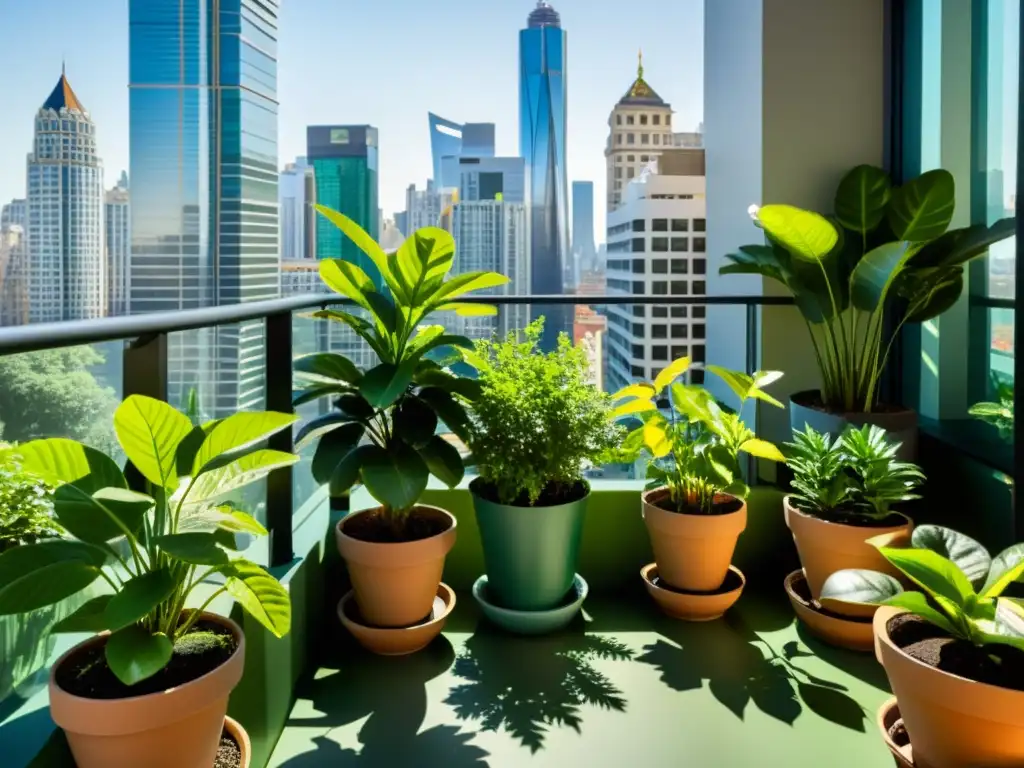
(424, 207)
(117, 223)
(13, 275)
(66, 266)
(297, 196)
(640, 127)
(656, 247)
(14, 212)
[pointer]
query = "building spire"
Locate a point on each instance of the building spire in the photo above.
(640, 65)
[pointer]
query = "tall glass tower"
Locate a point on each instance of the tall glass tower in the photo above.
(203, 165)
(542, 132)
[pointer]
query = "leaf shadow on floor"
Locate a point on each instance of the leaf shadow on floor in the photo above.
(742, 669)
(391, 693)
(530, 685)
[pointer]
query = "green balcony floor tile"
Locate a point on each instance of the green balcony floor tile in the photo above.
(624, 686)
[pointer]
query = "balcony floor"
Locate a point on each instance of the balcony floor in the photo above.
(625, 687)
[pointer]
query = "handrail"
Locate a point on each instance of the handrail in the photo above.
(992, 302)
(39, 336)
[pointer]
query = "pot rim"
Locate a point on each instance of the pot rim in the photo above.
(102, 637)
(797, 397)
(340, 530)
(584, 497)
(791, 508)
(241, 736)
(445, 592)
(645, 498)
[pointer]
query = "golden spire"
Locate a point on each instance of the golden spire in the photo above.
(640, 65)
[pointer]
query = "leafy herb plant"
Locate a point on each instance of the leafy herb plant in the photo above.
(695, 448)
(383, 431)
(998, 414)
(854, 476)
(538, 421)
(886, 251)
(152, 549)
(26, 504)
(960, 584)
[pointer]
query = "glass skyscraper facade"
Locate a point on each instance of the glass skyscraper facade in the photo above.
(450, 139)
(542, 134)
(203, 165)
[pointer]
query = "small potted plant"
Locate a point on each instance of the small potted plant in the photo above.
(537, 424)
(886, 254)
(695, 507)
(384, 430)
(151, 686)
(843, 493)
(999, 415)
(953, 652)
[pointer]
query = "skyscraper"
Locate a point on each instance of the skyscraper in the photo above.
(14, 212)
(13, 275)
(584, 252)
(204, 173)
(451, 139)
(64, 227)
(423, 207)
(297, 196)
(116, 220)
(542, 136)
(344, 160)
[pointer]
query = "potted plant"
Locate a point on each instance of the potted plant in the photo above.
(695, 506)
(537, 424)
(151, 686)
(884, 259)
(1000, 416)
(383, 430)
(953, 652)
(843, 494)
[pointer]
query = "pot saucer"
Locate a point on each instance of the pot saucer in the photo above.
(237, 732)
(397, 641)
(898, 742)
(532, 622)
(694, 606)
(853, 632)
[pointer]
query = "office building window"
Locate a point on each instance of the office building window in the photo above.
(659, 331)
(631, 138)
(618, 138)
(638, 287)
(639, 310)
(657, 138)
(644, 158)
(631, 158)
(618, 172)
(700, 288)
(700, 225)
(660, 288)
(638, 245)
(680, 312)
(679, 351)
(699, 245)
(645, 138)
(680, 288)
(659, 244)
(639, 266)
(698, 331)
(639, 225)
(659, 266)
(697, 377)
(659, 225)
(659, 352)
(679, 267)
(637, 370)
(680, 225)
(699, 313)
(659, 311)
(657, 119)
(643, 119)
(638, 330)
(680, 244)
(700, 267)
(680, 331)
(618, 119)
(630, 172)
(638, 350)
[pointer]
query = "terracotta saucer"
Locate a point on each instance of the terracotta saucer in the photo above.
(532, 622)
(397, 641)
(902, 753)
(241, 738)
(694, 606)
(853, 632)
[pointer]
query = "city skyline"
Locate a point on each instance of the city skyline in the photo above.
(395, 99)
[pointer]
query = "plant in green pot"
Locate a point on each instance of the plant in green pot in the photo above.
(387, 429)
(953, 651)
(151, 686)
(537, 425)
(695, 508)
(884, 258)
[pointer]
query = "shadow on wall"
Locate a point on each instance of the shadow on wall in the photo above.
(728, 655)
(527, 685)
(391, 692)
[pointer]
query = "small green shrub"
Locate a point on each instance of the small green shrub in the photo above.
(26, 504)
(998, 414)
(538, 422)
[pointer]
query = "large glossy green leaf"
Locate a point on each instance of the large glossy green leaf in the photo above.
(643, 391)
(930, 292)
(320, 426)
(466, 309)
(958, 246)
(332, 448)
(102, 516)
(89, 617)
(854, 585)
(237, 473)
(327, 367)
(346, 472)
(308, 395)
(260, 595)
(138, 598)
(862, 198)
(670, 373)
(362, 328)
(969, 556)
(805, 234)
(438, 341)
(189, 447)
(457, 385)
(149, 431)
(764, 260)
(239, 432)
(133, 654)
(1007, 567)
(414, 421)
(395, 477)
(875, 274)
(922, 208)
(656, 435)
(60, 461)
(364, 242)
(932, 572)
(762, 449)
(745, 386)
(384, 384)
(194, 548)
(429, 253)
(918, 604)
(443, 461)
(37, 575)
(460, 285)
(448, 409)
(349, 280)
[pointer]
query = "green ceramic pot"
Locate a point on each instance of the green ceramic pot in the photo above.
(529, 552)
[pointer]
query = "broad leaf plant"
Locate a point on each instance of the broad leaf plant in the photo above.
(998, 414)
(384, 429)
(151, 549)
(695, 448)
(885, 251)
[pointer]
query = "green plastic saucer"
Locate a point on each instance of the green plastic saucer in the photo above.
(532, 622)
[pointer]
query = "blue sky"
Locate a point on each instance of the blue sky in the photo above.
(384, 62)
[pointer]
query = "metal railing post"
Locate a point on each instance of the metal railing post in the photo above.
(278, 359)
(751, 366)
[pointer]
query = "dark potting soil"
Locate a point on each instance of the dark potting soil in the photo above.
(994, 664)
(206, 646)
(723, 505)
(852, 518)
(813, 400)
(229, 754)
(375, 528)
(553, 495)
(732, 581)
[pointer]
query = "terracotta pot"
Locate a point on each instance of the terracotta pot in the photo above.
(170, 729)
(395, 584)
(241, 738)
(690, 606)
(852, 633)
(900, 423)
(693, 552)
(825, 547)
(399, 641)
(952, 722)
